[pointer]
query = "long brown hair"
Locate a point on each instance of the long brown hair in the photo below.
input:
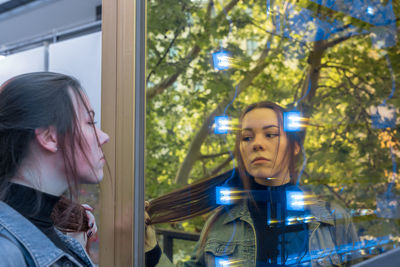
(39, 100)
(199, 198)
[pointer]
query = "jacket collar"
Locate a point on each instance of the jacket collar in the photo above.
(241, 211)
(42, 250)
(75, 246)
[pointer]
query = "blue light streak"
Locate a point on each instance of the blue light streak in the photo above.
(353, 250)
(221, 124)
(369, 11)
(268, 6)
(393, 79)
(224, 195)
(308, 91)
(221, 60)
(227, 17)
(295, 200)
(303, 166)
(292, 121)
(385, 33)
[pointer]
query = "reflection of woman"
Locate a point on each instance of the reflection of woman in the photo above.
(48, 144)
(261, 228)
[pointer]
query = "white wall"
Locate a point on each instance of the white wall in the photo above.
(27, 61)
(81, 57)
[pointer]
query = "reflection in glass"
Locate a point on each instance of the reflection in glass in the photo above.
(332, 62)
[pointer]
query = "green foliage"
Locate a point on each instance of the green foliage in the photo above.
(342, 148)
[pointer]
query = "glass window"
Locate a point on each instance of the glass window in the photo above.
(26, 61)
(321, 171)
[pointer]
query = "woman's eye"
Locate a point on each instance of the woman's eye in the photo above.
(270, 135)
(246, 138)
(92, 122)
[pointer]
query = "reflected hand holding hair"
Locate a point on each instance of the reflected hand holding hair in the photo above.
(150, 240)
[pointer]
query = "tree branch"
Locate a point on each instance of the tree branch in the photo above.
(337, 195)
(338, 41)
(211, 156)
(217, 169)
(161, 59)
(344, 69)
(194, 52)
(193, 153)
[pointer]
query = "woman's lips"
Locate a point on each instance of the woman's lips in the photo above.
(260, 160)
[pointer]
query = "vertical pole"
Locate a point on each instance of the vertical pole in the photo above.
(140, 105)
(46, 56)
(122, 192)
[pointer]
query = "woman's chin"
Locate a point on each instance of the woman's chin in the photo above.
(92, 180)
(260, 174)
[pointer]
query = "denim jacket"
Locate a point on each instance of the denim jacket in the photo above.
(232, 239)
(22, 244)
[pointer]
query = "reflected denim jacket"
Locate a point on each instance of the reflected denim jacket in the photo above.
(22, 244)
(232, 237)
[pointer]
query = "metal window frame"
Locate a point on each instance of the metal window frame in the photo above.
(123, 118)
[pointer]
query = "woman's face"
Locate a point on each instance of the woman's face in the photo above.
(263, 158)
(89, 170)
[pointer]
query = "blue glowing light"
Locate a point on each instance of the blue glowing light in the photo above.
(292, 121)
(344, 252)
(383, 116)
(376, 14)
(370, 10)
(221, 60)
(221, 124)
(222, 262)
(295, 200)
(223, 195)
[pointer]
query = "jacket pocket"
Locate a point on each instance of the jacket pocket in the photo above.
(219, 248)
(219, 253)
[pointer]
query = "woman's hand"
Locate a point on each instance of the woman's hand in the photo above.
(83, 237)
(91, 233)
(150, 240)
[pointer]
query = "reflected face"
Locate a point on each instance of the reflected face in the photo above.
(89, 168)
(263, 147)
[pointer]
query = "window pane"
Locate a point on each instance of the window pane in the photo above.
(333, 66)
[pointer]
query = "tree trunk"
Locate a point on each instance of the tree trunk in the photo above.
(193, 153)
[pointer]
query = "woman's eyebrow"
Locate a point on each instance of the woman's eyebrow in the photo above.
(265, 127)
(269, 126)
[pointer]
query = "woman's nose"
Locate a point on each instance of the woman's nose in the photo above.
(104, 138)
(257, 144)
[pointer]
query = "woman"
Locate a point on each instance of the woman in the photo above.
(269, 221)
(48, 145)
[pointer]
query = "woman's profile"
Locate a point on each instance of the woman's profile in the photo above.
(261, 217)
(49, 145)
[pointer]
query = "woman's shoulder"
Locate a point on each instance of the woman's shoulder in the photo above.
(26, 237)
(219, 224)
(10, 254)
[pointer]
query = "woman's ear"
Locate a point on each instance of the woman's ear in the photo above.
(296, 148)
(47, 138)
